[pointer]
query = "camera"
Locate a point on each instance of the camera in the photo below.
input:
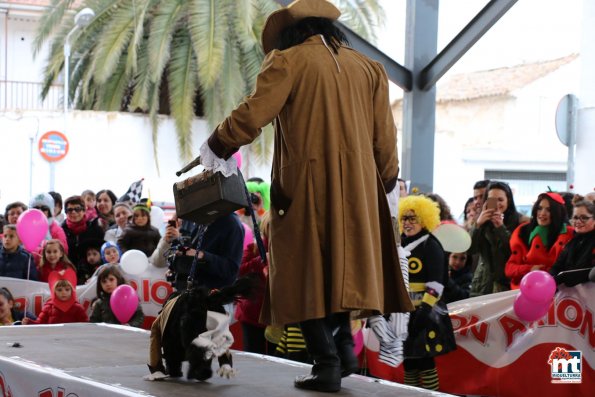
(178, 262)
(255, 199)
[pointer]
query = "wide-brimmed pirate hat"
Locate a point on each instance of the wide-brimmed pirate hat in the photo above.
(292, 14)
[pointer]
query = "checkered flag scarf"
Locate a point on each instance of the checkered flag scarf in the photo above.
(134, 192)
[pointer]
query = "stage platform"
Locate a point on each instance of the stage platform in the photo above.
(88, 360)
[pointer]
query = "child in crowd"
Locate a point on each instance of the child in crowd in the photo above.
(45, 203)
(62, 307)
(9, 315)
(110, 253)
(110, 277)
(91, 261)
(53, 259)
(13, 211)
(460, 275)
(14, 260)
(140, 235)
(90, 201)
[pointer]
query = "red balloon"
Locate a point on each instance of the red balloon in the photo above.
(32, 228)
(124, 301)
(527, 310)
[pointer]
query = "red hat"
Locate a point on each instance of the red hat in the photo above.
(556, 197)
(68, 275)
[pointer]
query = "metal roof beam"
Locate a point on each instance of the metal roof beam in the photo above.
(463, 41)
(397, 73)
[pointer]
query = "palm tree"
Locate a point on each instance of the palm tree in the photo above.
(185, 58)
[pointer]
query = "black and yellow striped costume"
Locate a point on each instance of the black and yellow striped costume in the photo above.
(430, 329)
(292, 345)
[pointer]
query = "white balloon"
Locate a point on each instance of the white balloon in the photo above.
(452, 237)
(158, 219)
(134, 262)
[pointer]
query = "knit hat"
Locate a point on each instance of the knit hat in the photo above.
(142, 207)
(106, 245)
(43, 200)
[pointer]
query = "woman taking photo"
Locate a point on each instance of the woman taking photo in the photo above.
(536, 245)
(490, 238)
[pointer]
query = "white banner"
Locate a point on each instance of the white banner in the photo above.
(49, 382)
(151, 287)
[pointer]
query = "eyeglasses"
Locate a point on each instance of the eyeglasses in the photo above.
(409, 218)
(73, 209)
(582, 218)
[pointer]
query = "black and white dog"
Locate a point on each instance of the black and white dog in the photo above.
(194, 327)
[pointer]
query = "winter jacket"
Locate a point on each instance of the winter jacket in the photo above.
(102, 313)
(18, 264)
(248, 310)
(50, 314)
(223, 247)
(78, 242)
(143, 238)
(579, 253)
(459, 285)
(523, 258)
(493, 246)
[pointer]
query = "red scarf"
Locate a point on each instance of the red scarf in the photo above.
(78, 227)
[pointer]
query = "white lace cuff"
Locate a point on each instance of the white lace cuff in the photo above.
(210, 161)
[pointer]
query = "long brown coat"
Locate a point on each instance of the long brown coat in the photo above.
(332, 245)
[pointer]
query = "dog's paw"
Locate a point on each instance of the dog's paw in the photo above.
(155, 376)
(226, 371)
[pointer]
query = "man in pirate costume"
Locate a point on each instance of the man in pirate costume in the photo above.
(332, 246)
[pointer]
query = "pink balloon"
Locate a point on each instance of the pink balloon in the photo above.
(538, 286)
(124, 301)
(248, 236)
(527, 310)
(238, 156)
(358, 340)
(32, 228)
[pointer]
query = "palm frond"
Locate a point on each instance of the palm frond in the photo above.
(164, 22)
(362, 16)
(207, 23)
(142, 81)
(110, 93)
(153, 95)
(112, 42)
(50, 20)
(230, 87)
(250, 62)
(183, 85)
(140, 9)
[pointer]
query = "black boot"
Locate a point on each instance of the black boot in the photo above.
(344, 343)
(326, 371)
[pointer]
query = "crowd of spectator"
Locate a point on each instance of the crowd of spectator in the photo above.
(88, 232)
